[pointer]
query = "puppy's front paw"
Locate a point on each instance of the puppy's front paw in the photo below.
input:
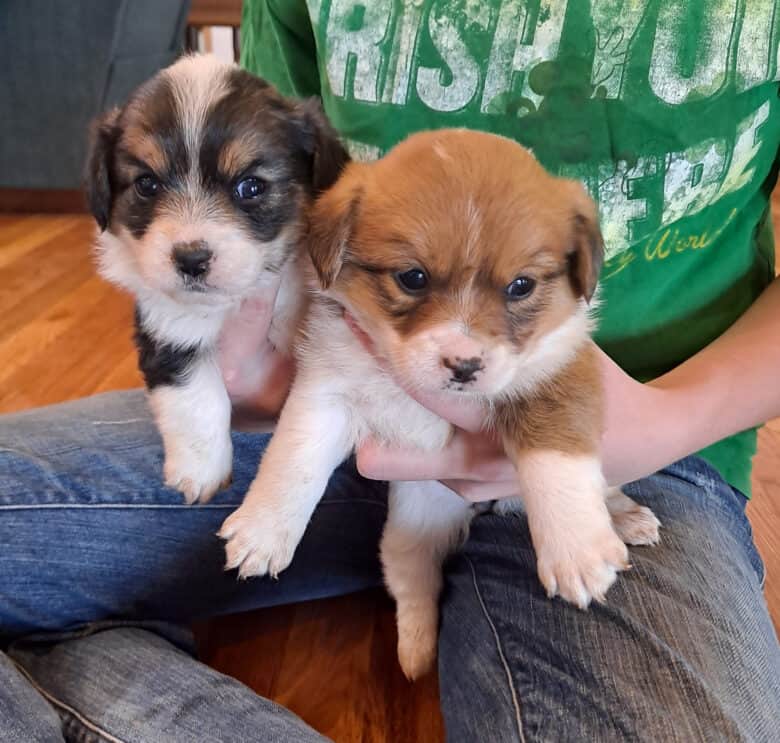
(580, 568)
(418, 634)
(199, 477)
(258, 542)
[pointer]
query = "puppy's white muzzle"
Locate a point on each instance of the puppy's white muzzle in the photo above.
(449, 357)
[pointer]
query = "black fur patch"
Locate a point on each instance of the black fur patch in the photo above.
(162, 364)
(155, 99)
(253, 107)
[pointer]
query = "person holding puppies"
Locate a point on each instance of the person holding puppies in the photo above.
(671, 124)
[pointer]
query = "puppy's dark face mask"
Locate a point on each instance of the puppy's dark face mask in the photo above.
(200, 182)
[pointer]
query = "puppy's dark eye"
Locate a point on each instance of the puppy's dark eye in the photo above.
(248, 189)
(520, 288)
(412, 281)
(147, 186)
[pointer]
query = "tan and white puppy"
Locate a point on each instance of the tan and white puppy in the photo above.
(199, 184)
(471, 268)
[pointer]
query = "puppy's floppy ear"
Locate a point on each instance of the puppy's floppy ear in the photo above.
(319, 140)
(586, 253)
(331, 222)
(102, 139)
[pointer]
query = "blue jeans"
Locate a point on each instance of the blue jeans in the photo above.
(101, 566)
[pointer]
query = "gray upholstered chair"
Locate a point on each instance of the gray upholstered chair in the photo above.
(62, 62)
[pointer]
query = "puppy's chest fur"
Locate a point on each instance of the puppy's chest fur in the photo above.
(195, 327)
(333, 363)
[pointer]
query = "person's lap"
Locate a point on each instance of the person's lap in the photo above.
(89, 532)
(101, 562)
(683, 649)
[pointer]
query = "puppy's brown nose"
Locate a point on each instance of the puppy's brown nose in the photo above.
(192, 259)
(463, 370)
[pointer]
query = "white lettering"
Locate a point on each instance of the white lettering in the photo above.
(314, 11)
(462, 67)
(745, 149)
(399, 67)
(361, 151)
(360, 45)
(619, 204)
(692, 179)
(757, 39)
(673, 32)
(526, 46)
(510, 26)
(616, 22)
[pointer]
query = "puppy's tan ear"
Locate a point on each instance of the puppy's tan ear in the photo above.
(97, 179)
(330, 226)
(586, 254)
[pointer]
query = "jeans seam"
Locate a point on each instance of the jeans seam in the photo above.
(504, 663)
(66, 708)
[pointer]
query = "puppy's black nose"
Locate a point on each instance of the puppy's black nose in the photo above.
(192, 259)
(463, 370)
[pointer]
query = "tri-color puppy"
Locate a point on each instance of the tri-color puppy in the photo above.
(471, 268)
(199, 185)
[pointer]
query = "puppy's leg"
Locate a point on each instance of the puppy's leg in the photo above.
(193, 416)
(578, 553)
(633, 523)
(312, 438)
(426, 522)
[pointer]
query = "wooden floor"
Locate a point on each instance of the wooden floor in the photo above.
(64, 334)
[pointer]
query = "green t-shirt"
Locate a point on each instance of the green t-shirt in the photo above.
(666, 111)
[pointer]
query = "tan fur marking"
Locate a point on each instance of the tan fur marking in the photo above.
(145, 147)
(563, 414)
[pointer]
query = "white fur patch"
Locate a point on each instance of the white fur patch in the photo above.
(312, 438)
(194, 422)
(578, 552)
(198, 82)
(633, 523)
(474, 227)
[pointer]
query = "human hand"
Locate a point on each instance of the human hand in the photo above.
(257, 376)
(473, 464)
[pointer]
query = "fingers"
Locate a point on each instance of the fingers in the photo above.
(263, 388)
(245, 331)
(466, 457)
(476, 473)
(475, 492)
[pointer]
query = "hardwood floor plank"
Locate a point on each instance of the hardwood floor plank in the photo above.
(40, 337)
(52, 268)
(19, 237)
(77, 360)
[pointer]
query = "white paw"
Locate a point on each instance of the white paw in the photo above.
(581, 567)
(258, 542)
(418, 634)
(199, 477)
(633, 523)
(637, 526)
